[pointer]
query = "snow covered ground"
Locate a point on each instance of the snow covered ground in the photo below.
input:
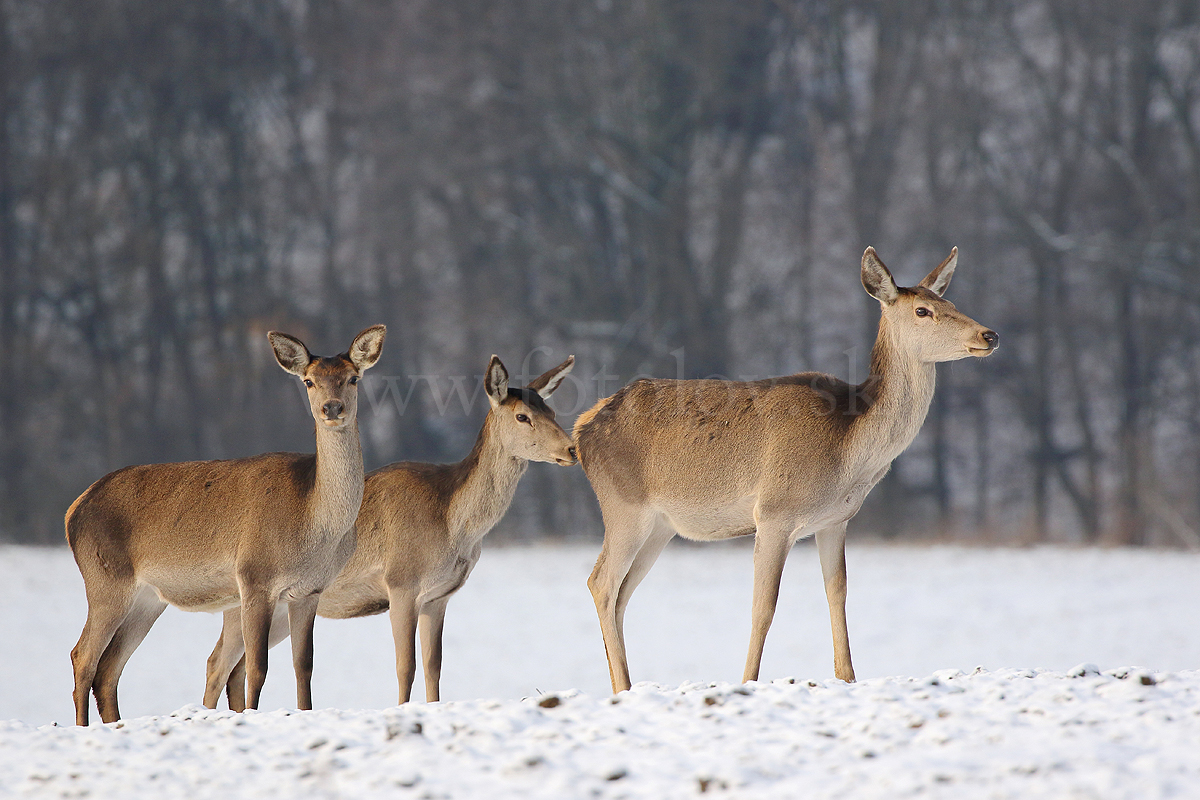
(528, 712)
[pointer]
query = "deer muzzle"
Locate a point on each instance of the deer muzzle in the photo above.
(990, 340)
(333, 410)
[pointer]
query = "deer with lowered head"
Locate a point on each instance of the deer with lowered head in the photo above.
(249, 533)
(420, 533)
(782, 458)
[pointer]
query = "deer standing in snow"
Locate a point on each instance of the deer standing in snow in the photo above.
(782, 458)
(248, 533)
(420, 533)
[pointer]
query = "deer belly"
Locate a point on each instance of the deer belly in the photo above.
(713, 523)
(215, 594)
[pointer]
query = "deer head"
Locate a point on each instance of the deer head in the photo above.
(523, 422)
(332, 382)
(919, 320)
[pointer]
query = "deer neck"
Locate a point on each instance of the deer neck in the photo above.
(338, 483)
(487, 481)
(899, 390)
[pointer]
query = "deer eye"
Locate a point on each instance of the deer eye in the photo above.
(522, 418)
(922, 311)
(308, 383)
(353, 379)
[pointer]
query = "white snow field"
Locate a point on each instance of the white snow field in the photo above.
(1043, 673)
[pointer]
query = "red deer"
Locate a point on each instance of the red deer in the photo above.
(211, 535)
(782, 459)
(420, 533)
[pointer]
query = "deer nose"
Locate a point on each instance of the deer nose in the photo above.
(991, 337)
(574, 455)
(333, 409)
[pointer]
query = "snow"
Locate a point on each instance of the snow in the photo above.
(528, 711)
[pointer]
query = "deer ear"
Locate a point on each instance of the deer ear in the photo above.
(290, 352)
(939, 279)
(877, 280)
(548, 381)
(495, 382)
(367, 347)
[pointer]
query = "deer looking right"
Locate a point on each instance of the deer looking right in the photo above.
(780, 459)
(420, 533)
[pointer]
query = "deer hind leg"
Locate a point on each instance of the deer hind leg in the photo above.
(107, 609)
(143, 612)
(227, 664)
(626, 531)
(642, 562)
(402, 610)
(831, 545)
(430, 622)
(301, 615)
(771, 545)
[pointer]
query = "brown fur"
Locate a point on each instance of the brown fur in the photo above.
(212, 535)
(781, 458)
(420, 531)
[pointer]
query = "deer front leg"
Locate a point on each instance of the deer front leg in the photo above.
(235, 686)
(230, 649)
(771, 546)
(301, 615)
(257, 609)
(403, 614)
(831, 545)
(226, 660)
(431, 621)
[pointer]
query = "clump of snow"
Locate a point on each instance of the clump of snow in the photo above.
(1008, 733)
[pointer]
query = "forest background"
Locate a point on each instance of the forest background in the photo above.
(659, 187)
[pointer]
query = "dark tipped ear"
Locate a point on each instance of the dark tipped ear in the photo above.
(367, 347)
(939, 279)
(877, 280)
(290, 352)
(548, 381)
(495, 382)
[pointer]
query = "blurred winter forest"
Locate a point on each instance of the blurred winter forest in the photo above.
(664, 187)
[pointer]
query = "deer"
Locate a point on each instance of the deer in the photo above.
(780, 459)
(247, 533)
(420, 533)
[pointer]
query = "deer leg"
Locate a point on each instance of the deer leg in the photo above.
(235, 686)
(231, 650)
(141, 616)
(402, 610)
(257, 610)
(771, 546)
(430, 623)
(227, 658)
(301, 615)
(642, 562)
(106, 612)
(626, 531)
(831, 545)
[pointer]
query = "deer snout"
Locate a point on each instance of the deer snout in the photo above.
(986, 344)
(333, 409)
(573, 457)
